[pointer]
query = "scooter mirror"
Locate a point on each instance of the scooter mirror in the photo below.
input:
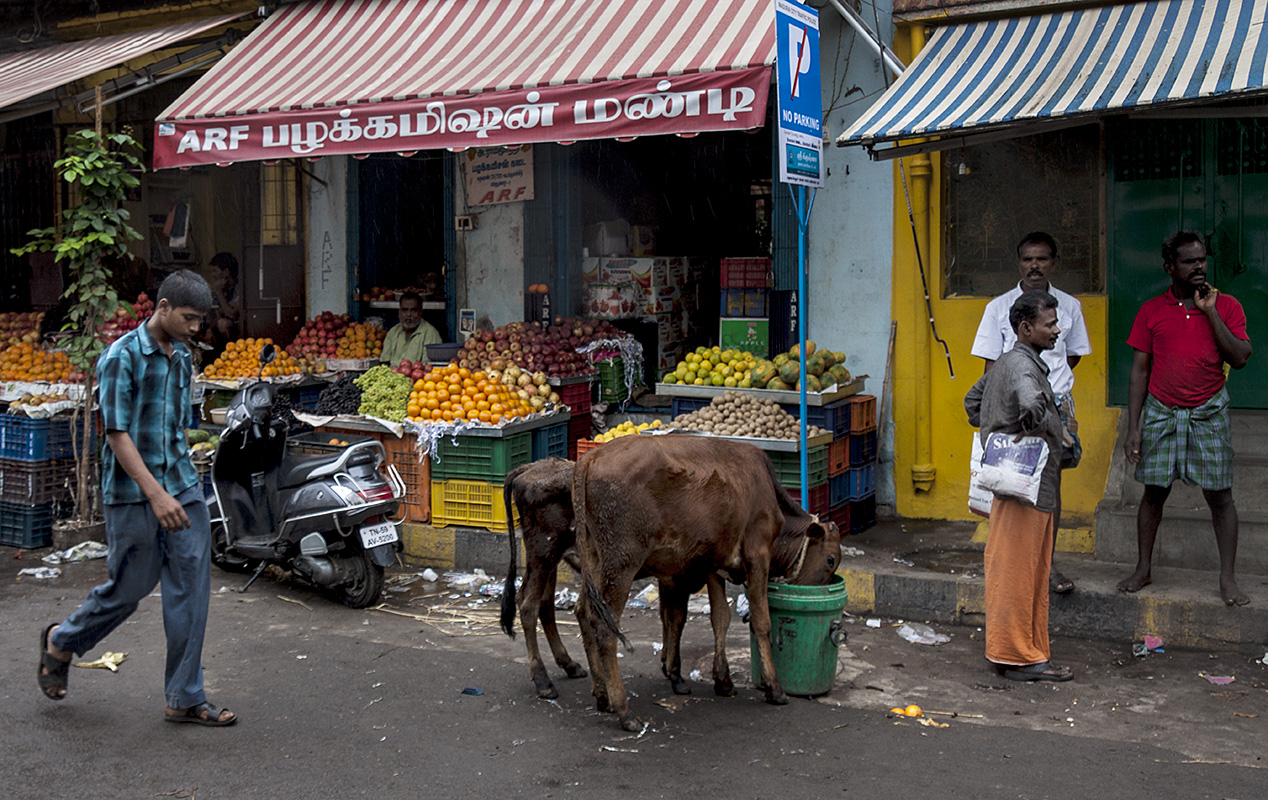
(267, 354)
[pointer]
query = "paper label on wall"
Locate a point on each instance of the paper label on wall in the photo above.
(499, 174)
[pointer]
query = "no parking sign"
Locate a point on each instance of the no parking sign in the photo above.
(799, 109)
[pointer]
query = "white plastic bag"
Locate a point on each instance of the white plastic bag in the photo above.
(980, 498)
(1012, 467)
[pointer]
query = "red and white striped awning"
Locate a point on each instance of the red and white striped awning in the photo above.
(29, 73)
(360, 76)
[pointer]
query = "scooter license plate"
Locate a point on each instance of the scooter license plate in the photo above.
(375, 535)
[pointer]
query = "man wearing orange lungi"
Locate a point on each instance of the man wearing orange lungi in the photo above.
(1016, 398)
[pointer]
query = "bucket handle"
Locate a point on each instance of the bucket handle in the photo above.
(837, 633)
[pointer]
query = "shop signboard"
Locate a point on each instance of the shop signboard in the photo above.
(721, 100)
(499, 175)
(799, 108)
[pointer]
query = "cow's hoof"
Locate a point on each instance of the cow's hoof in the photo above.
(777, 698)
(680, 686)
(724, 688)
(629, 722)
(547, 692)
(575, 670)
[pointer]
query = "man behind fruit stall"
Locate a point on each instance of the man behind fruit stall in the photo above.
(409, 338)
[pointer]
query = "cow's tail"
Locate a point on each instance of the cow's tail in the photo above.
(508, 588)
(598, 606)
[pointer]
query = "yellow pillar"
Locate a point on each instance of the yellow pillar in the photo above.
(920, 174)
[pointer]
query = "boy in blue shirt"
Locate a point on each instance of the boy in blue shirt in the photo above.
(157, 527)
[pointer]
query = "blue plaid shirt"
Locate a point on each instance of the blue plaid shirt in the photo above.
(146, 393)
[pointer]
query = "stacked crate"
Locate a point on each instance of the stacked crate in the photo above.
(578, 397)
(37, 478)
(854, 484)
(467, 479)
(744, 305)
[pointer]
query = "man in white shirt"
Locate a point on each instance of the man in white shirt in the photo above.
(1036, 260)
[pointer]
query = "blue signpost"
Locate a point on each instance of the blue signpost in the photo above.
(799, 111)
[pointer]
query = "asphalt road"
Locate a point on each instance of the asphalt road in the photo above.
(343, 703)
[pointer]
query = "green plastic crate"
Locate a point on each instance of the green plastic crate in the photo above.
(612, 388)
(481, 458)
(788, 467)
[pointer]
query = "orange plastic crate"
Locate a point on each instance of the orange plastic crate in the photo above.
(415, 473)
(586, 444)
(862, 413)
(838, 456)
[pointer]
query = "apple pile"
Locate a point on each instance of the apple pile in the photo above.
(319, 338)
(534, 347)
(20, 326)
(124, 321)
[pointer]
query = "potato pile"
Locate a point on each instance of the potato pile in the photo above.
(740, 414)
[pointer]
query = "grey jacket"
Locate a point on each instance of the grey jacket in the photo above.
(1015, 397)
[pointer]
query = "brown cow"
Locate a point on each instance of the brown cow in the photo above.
(542, 492)
(681, 508)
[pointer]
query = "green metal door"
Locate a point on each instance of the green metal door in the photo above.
(1209, 176)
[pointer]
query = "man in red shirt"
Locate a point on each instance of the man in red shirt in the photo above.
(1177, 410)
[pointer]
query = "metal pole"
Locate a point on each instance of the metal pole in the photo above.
(803, 223)
(887, 56)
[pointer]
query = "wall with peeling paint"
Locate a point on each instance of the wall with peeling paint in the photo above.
(851, 226)
(491, 264)
(328, 236)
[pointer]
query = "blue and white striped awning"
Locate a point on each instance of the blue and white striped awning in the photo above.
(1072, 66)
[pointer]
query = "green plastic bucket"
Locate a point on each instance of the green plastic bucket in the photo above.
(806, 631)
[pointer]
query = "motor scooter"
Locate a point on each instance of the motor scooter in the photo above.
(326, 517)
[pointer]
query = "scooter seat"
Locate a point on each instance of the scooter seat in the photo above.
(296, 467)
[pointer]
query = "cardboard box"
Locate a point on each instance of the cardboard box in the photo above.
(643, 240)
(612, 301)
(750, 335)
(663, 300)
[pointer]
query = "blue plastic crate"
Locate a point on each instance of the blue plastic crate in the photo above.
(839, 489)
(862, 481)
(862, 513)
(306, 398)
(862, 448)
(551, 440)
(30, 439)
(26, 526)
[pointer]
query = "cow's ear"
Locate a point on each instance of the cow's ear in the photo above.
(816, 532)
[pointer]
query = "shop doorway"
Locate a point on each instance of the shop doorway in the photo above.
(272, 250)
(1210, 176)
(402, 225)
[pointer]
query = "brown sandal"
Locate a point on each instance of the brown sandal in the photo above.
(53, 673)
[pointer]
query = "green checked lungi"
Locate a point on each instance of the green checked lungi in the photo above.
(1192, 444)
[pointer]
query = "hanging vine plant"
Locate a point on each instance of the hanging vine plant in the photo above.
(101, 169)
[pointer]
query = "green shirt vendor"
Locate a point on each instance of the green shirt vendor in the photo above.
(409, 338)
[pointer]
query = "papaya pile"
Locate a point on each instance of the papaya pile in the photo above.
(824, 368)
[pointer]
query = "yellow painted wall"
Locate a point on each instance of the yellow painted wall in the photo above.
(957, 320)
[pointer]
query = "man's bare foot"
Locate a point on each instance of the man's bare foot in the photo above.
(1135, 582)
(1058, 583)
(1231, 594)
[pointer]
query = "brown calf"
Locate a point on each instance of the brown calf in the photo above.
(680, 508)
(542, 492)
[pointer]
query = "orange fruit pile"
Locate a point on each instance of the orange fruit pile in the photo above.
(27, 362)
(361, 341)
(452, 393)
(241, 359)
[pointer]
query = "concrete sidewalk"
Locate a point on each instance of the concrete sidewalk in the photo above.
(932, 571)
